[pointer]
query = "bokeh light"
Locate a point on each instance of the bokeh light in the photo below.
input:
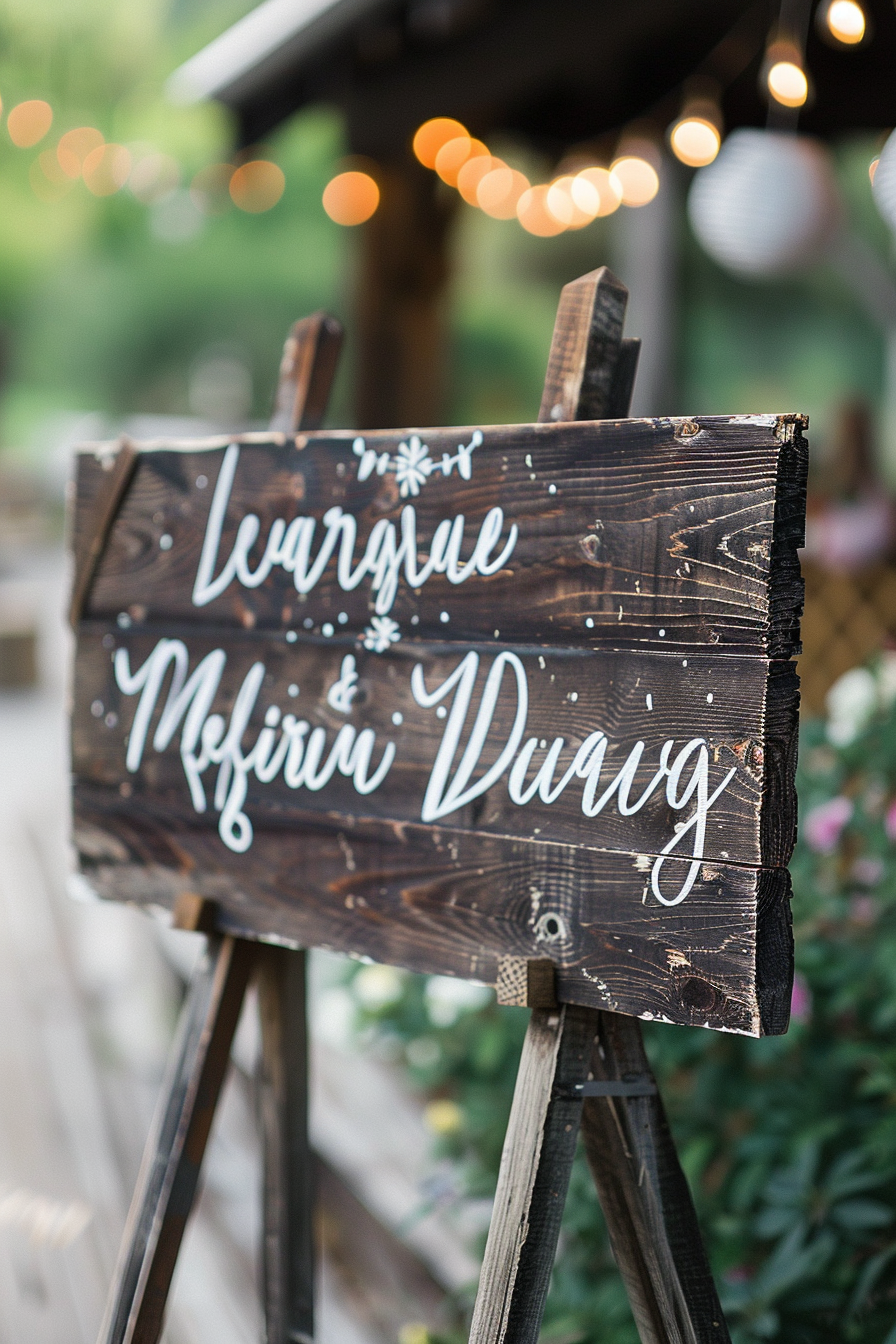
(74, 147)
(846, 21)
(872, 169)
(454, 154)
(472, 172)
(106, 168)
(257, 186)
(787, 84)
(433, 134)
(351, 198)
(638, 180)
(154, 176)
(210, 189)
(533, 213)
(48, 182)
(499, 192)
(695, 141)
(605, 183)
(29, 122)
(573, 208)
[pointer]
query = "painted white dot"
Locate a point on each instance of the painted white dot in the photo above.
(497, 633)
(589, 621)
(326, 629)
(541, 662)
(111, 719)
(97, 708)
(308, 623)
(573, 696)
(166, 541)
(272, 716)
(662, 634)
(201, 482)
(291, 636)
(444, 617)
(342, 618)
(649, 700)
(528, 459)
(441, 712)
(398, 718)
(684, 662)
(415, 619)
(531, 475)
(292, 690)
(691, 507)
(543, 743)
(124, 620)
(552, 489)
(709, 698)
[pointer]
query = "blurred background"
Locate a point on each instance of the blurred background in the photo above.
(179, 181)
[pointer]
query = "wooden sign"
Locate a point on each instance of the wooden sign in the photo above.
(441, 697)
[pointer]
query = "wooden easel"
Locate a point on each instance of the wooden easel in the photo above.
(580, 1067)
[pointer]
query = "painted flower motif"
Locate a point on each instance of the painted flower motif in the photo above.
(822, 826)
(380, 633)
(412, 466)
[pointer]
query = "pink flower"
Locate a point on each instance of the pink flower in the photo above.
(800, 1000)
(822, 826)
(890, 821)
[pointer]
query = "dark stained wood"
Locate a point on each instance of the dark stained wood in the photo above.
(90, 537)
(167, 1182)
(534, 1177)
(585, 349)
(307, 369)
(685, 527)
(645, 1198)
(288, 1198)
(743, 708)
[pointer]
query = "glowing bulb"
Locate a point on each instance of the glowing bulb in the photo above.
(499, 192)
(533, 213)
(454, 154)
(605, 184)
(351, 198)
(787, 84)
(638, 180)
(846, 21)
(573, 202)
(29, 122)
(74, 147)
(257, 186)
(695, 141)
(472, 172)
(433, 134)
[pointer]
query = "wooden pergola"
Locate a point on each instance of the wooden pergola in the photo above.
(559, 75)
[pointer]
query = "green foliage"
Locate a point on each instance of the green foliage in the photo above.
(789, 1143)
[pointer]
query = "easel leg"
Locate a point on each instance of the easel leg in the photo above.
(288, 1249)
(168, 1177)
(534, 1176)
(645, 1198)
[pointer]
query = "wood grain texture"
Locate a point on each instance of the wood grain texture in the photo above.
(307, 369)
(585, 349)
(173, 1156)
(532, 1183)
(745, 709)
(288, 1203)
(651, 527)
(645, 1198)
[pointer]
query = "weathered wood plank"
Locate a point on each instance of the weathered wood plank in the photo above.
(650, 708)
(534, 1177)
(288, 1204)
(689, 527)
(173, 1156)
(645, 1198)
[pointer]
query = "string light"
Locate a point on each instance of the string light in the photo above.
(695, 140)
(454, 154)
(472, 172)
(433, 134)
(533, 213)
(787, 83)
(845, 20)
(257, 186)
(74, 147)
(607, 186)
(499, 192)
(351, 198)
(637, 178)
(29, 122)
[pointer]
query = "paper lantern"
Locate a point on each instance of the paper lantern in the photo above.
(883, 184)
(767, 204)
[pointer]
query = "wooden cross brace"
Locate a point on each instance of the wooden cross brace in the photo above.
(580, 1067)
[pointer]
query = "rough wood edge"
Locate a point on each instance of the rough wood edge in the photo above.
(307, 369)
(89, 543)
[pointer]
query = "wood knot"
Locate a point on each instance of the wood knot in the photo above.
(686, 429)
